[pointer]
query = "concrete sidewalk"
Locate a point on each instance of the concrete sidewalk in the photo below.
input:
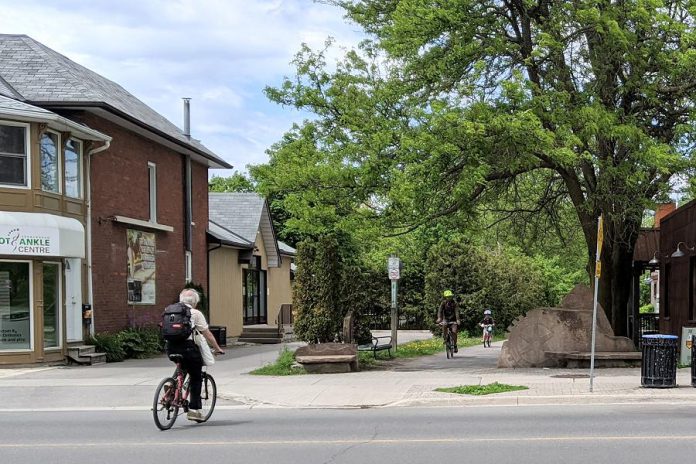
(131, 384)
(412, 383)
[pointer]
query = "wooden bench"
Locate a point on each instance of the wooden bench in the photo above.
(378, 345)
(577, 359)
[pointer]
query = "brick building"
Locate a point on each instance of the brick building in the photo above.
(82, 158)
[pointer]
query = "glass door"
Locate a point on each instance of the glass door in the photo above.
(254, 295)
(52, 305)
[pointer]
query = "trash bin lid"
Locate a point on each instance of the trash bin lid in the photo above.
(661, 336)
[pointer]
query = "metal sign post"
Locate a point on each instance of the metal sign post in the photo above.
(394, 269)
(598, 274)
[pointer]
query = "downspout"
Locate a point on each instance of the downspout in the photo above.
(187, 184)
(88, 197)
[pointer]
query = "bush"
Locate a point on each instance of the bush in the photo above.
(130, 343)
(109, 344)
(646, 309)
(326, 287)
(141, 343)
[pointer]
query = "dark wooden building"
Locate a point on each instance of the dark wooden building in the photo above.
(677, 263)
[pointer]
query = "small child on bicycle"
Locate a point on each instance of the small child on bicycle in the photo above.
(448, 314)
(487, 323)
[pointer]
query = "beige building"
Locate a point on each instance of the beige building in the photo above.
(250, 270)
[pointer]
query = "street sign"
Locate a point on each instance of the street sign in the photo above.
(600, 237)
(394, 268)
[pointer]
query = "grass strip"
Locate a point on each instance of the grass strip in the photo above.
(488, 389)
(282, 366)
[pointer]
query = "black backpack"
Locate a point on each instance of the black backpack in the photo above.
(176, 323)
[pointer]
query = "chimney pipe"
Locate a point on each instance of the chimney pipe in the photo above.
(187, 117)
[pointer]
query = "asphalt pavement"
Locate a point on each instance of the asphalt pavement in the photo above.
(131, 384)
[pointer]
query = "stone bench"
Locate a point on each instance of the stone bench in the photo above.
(579, 359)
(328, 358)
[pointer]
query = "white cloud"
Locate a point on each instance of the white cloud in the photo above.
(221, 53)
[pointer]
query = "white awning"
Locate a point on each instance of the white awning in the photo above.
(40, 234)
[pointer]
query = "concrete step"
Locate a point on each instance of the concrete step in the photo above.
(260, 330)
(260, 335)
(264, 341)
(86, 355)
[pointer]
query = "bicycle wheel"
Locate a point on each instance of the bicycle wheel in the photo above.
(448, 345)
(208, 396)
(164, 411)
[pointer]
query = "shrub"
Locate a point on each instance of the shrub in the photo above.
(110, 344)
(141, 342)
(130, 343)
(646, 309)
(326, 288)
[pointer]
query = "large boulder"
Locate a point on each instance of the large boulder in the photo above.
(542, 336)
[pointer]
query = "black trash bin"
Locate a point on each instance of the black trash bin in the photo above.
(659, 365)
(220, 334)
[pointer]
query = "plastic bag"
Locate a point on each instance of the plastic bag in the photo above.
(204, 348)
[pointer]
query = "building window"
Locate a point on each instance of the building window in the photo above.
(52, 305)
(152, 177)
(15, 305)
(50, 162)
(189, 266)
(73, 168)
(14, 155)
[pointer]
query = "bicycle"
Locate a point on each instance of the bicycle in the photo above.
(172, 395)
(449, 341)
(487, 334)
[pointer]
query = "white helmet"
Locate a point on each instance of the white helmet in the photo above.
(487, 312)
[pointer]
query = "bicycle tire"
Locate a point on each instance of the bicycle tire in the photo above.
(208, 396)
(448, 345)
(162, 404)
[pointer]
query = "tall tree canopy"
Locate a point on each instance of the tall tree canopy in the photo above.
(586, 103)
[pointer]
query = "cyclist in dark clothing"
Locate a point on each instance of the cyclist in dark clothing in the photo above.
(448, 313)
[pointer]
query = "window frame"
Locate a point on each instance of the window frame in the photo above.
(27, 154)
(32, 319)
(152, 189)
(80, 157)
(59, 161)
(59, 306)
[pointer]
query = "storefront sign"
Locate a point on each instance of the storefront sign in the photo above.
(29, 241)
(141, 267)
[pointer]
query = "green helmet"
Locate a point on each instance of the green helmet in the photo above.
(448, 293)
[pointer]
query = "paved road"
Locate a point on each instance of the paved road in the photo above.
(524, 435)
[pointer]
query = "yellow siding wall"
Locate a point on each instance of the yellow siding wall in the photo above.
(225, 281)
(279, 289)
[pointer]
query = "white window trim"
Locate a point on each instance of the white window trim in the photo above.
(188, 265)
(59, 161)
(152, 187)
(27, 147)
(59, 309)
(80, 156)
(31, 306)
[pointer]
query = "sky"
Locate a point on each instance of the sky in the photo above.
(220, 53)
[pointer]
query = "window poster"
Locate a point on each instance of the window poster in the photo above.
(141, 267)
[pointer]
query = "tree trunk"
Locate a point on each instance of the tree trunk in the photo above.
(615, 282)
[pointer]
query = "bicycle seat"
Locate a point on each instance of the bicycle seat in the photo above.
(177, 358)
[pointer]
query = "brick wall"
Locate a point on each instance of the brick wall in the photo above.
(120, 187)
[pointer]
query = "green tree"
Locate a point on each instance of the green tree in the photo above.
(588, 101)
(237, 182)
